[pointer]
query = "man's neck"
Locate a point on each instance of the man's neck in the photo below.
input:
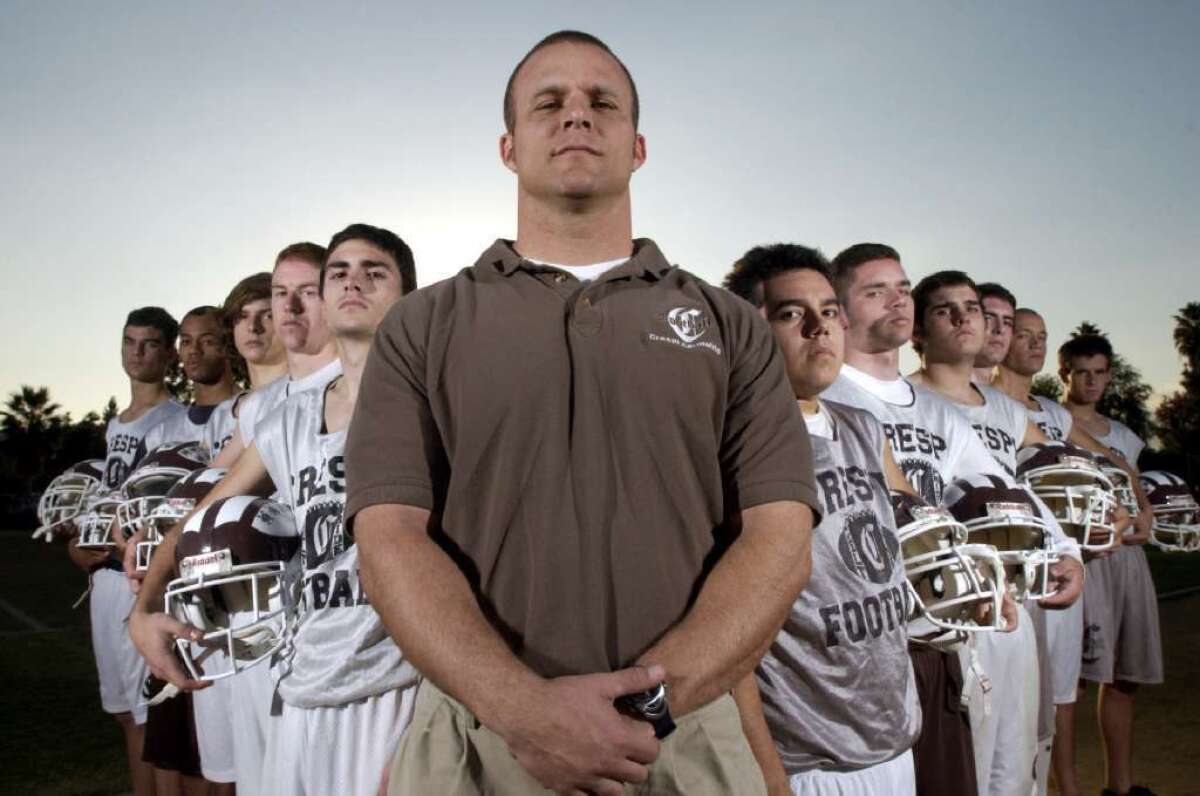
(983, 375)
(300, 364)
(212, 394)
(143, 396)
(1082, 411)
(579, 233)
(1013, 384)
(884, 365)
(809, 406)
(951, 379)
(265, 374)
(352, 352)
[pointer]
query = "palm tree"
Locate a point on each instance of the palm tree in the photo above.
(29, 411)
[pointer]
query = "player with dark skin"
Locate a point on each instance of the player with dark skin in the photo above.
(203, 356)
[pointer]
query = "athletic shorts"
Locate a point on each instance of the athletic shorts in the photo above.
(446, 751)
(343, 750)
(170, 740)
(122, 670)
(1064, 640)
(894, 777)
(1045, 714)
(943, 756)
(213, 710)
(1004, 715)
(251, 692)
(1121, 635)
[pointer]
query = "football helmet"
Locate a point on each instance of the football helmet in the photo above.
(1072, 485)
(1176, 524)
(1122, 485)
(232, 559)
(950, 582)
(95, 525)
(67, 496)
(1001, 515)
(179, 501)
(147, 486)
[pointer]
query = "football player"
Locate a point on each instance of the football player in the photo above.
(933, 443)
(998, 306)
(204, 354)
(1121, 646)
(949, 335)
(147, 352)
(838, 710)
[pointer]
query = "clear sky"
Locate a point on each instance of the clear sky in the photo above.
(155, 153)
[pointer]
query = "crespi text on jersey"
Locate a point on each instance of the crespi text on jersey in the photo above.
(312, 482)
(907, 438)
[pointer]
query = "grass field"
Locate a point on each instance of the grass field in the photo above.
(57, 740)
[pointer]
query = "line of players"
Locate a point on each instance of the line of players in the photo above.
(889, 675)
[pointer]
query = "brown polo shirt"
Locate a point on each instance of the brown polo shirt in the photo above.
(584, 445)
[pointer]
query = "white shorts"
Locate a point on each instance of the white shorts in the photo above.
(1064, 636)
(1004, 722)
(894, 777)
(122, 670)
(212, 708)
(250, 694)
(343, 750)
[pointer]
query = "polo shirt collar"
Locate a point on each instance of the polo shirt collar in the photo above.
(647, 260)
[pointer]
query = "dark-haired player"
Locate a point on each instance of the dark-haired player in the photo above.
(1122, 648)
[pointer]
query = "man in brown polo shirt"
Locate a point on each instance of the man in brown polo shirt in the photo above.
(576, 472)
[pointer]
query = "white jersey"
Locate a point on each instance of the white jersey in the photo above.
(1052, 418)
(220, 426)
(931, 440)
(340, 651)
(1120, 438)
(1000, 423)
(124, 440)
(185, 426)
(258, 404)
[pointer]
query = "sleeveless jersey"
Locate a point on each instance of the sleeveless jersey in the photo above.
(185, 426)
(340, 651)
(220, 426)
(1121, 439)
(258, 404)
(837, 684)
(124, 440)
(1052, 418)
(1000, 423)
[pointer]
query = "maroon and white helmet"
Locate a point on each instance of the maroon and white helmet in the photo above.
(67, 496)
(232, 558)
(96, 523)
(177, 503)
(1122, 484)
(1176, 524)
(956, 587)
(147, 486)
(1074, 487)
(1004, 516)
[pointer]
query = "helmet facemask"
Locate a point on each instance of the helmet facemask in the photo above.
(1023, 545)
(1081, 497)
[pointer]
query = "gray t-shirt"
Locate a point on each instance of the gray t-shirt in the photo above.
(1052, 418)
(340, 651)
(124, 441)
(837, 685)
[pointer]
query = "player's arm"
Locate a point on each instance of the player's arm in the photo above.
(740, 608)
(893, 474)
(563, 731)
(152, 631)
(1033, 435)
(754, 725)
(231, 452)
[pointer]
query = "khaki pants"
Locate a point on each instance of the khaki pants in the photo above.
(446, 751)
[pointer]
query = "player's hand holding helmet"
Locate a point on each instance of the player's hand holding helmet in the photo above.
(955, 586)
(1003, 516)
(1176, 513)
(232, 557)
(1073, 486)
(67, 497)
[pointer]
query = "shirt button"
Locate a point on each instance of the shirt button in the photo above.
(560, 278)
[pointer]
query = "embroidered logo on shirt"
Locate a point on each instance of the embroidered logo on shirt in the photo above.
(689, 325)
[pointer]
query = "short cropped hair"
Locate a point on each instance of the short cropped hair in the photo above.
(993, 290)
(205, 311)
(305, 252)
(925, 289)
(763, 262)
(1084, 345)
(383, 239)
(574, 37)
(157, 318)
(848, 261)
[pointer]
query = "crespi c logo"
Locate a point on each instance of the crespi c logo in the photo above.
(688, 323)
